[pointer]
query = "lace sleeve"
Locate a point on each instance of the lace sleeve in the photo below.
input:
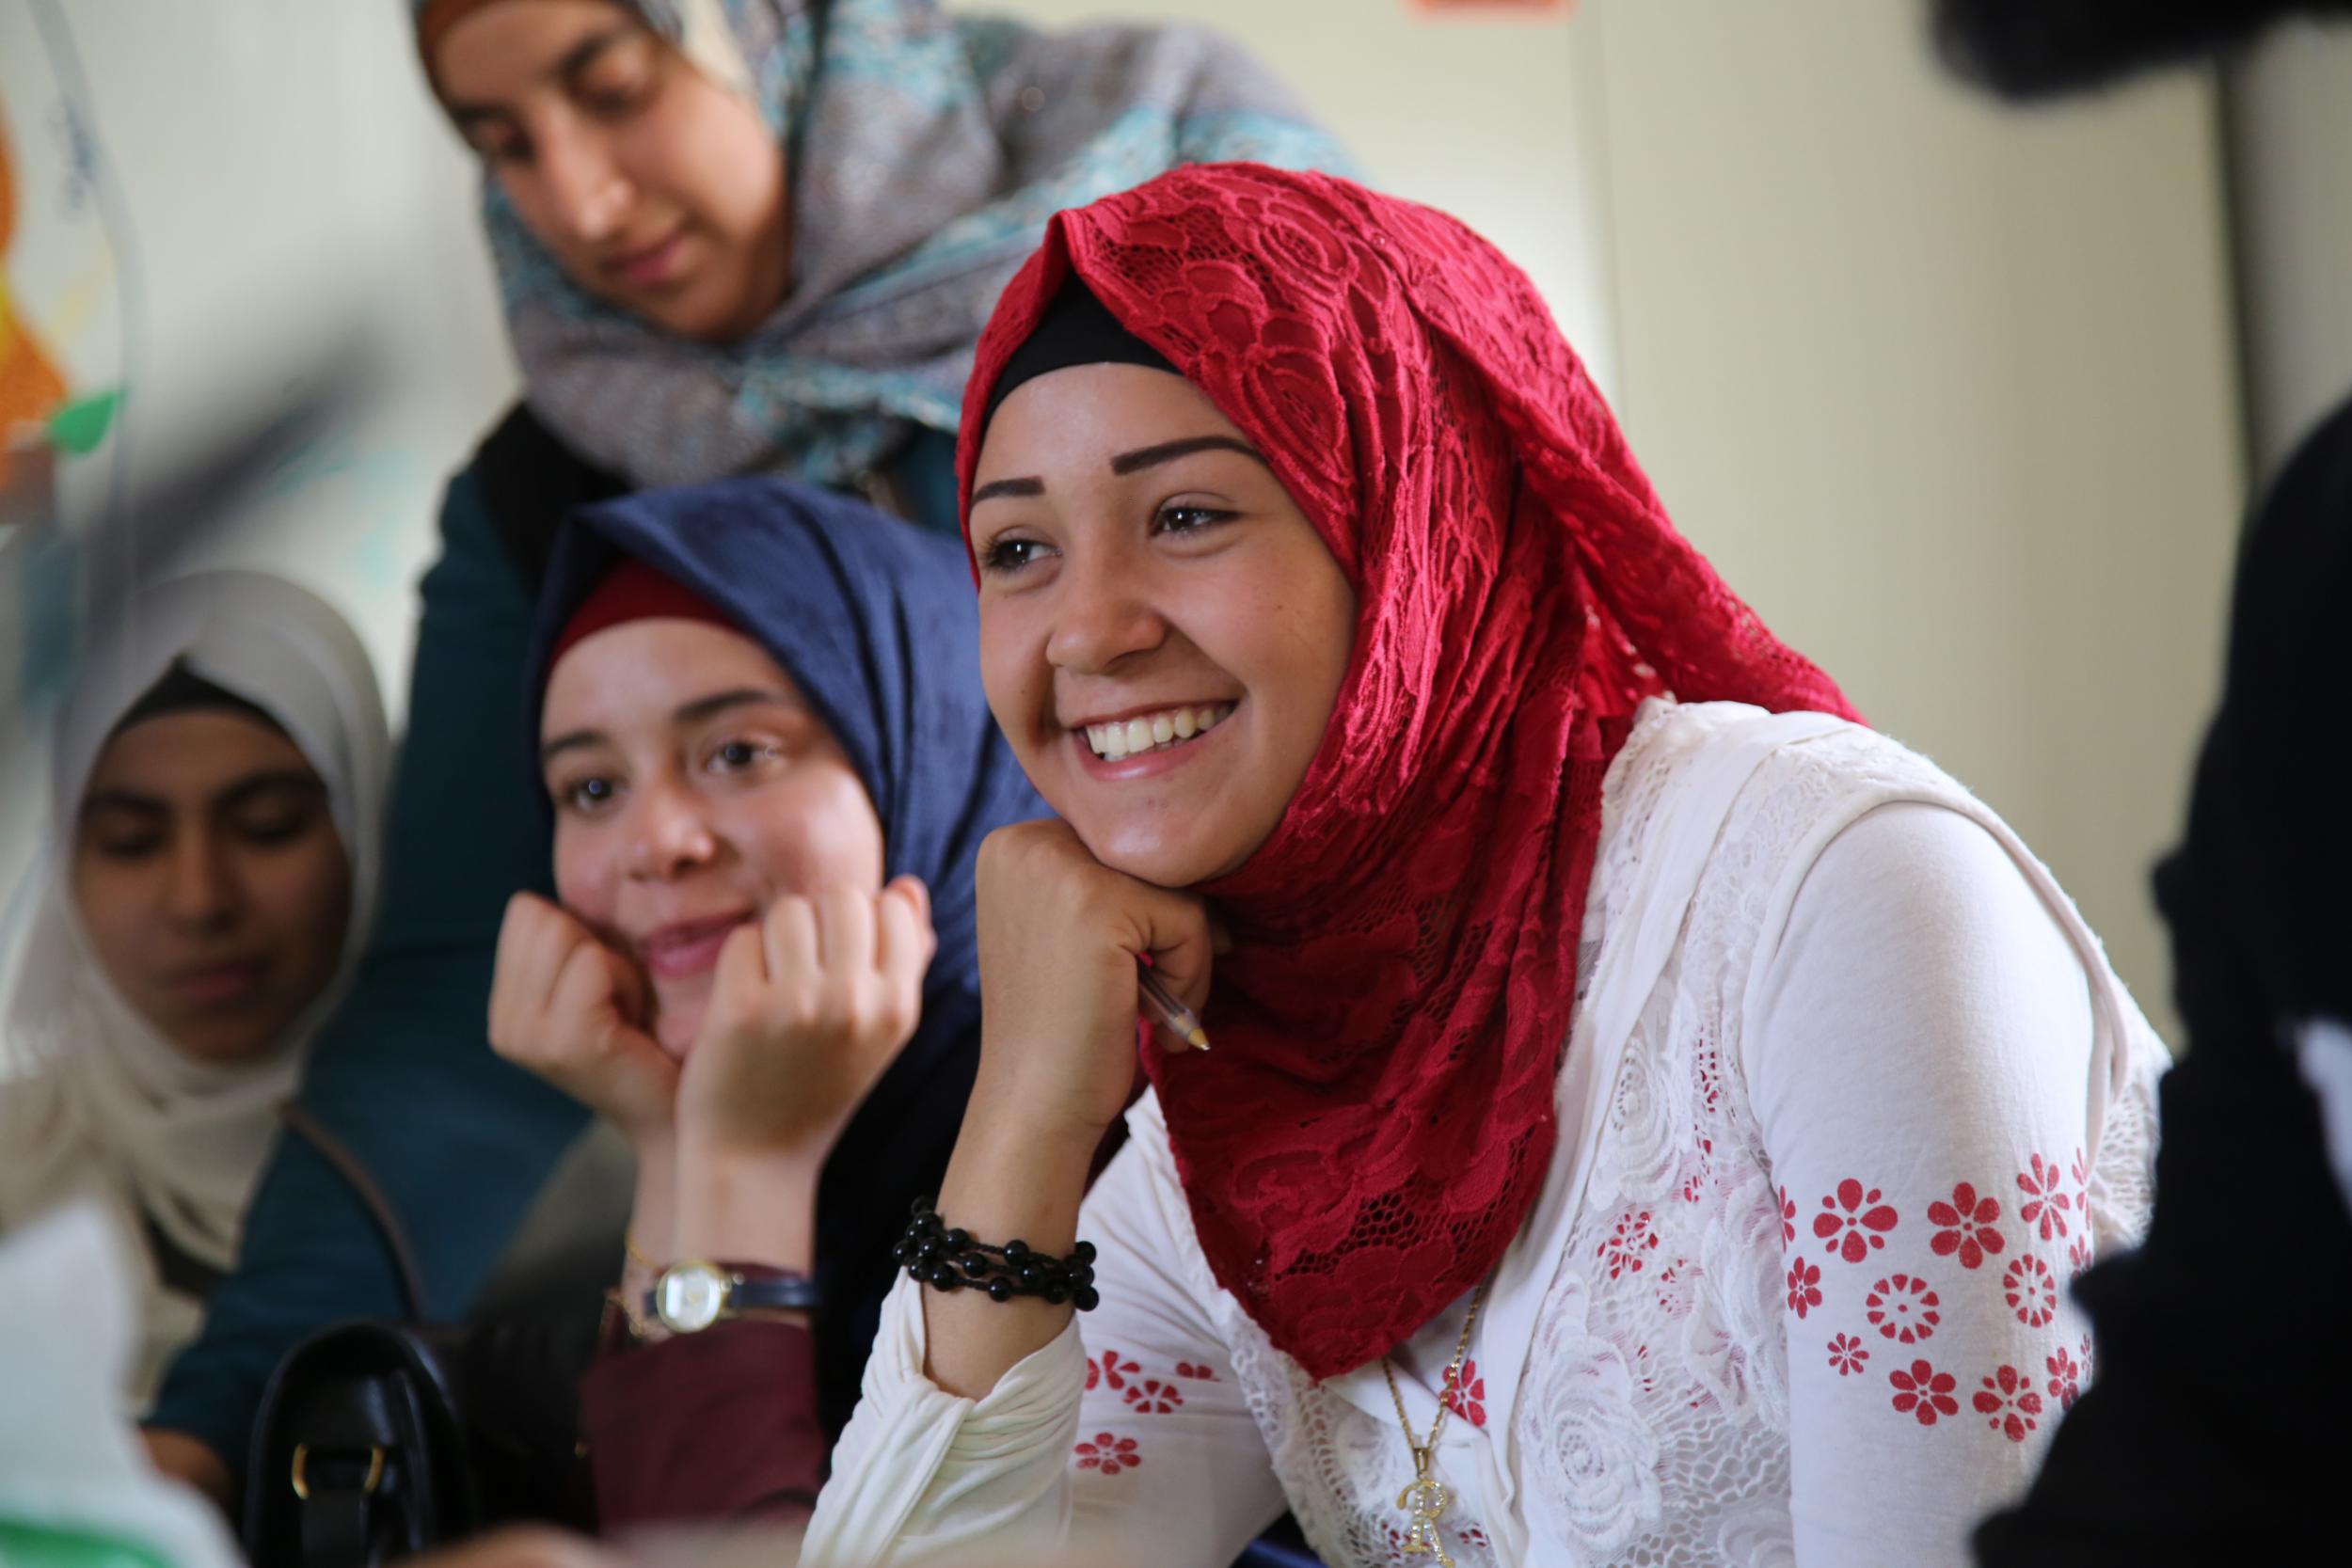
(1918, 1052)
(1131, 1424)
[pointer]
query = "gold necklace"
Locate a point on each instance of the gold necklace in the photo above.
(1425, 1498)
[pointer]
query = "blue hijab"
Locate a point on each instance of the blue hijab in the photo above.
(876, 622)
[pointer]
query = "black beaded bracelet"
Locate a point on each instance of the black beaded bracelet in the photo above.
(951, 1260)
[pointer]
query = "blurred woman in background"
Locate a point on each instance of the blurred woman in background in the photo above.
(216, 791)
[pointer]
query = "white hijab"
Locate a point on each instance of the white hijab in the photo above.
(90, 1094)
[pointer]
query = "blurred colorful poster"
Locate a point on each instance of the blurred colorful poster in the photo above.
(61, 273)
(63, 288)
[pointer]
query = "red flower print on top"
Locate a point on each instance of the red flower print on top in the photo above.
(2079, 1168)
(1788, 1219)
(2077, 1257)
(2066, 1378)
(2046, 1202)
(1805, 1287)
(1623, 1247)
(1468, 1397)
(1198, 1375)
(1901, 1308)
(2008, 1400)
(1966, 1225)
(1923, 1392)
(1846, 1355)
(1108, 1454)
(1154, 1398)
(1853, 1221)
(1108, 1368)
(2032, 1290)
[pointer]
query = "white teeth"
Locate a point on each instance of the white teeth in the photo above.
(1131, 737)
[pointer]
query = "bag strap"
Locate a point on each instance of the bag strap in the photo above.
(338, 1528)
(308, 1127)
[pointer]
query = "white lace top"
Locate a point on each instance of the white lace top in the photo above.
(1839, 1119)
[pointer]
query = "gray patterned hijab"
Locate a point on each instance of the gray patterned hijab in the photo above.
(924, 154)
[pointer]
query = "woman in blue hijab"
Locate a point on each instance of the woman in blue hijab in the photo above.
(771, 766)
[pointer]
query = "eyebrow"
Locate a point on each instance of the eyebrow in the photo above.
(1126, 463)
(122, 800)
(995, 487)
(246, 790)
(241, 793)
(688, 713)
(742, 696)
(1167, 452)
(575, 60)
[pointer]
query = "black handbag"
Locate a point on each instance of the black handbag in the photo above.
(376, 1440)
(361, 1455)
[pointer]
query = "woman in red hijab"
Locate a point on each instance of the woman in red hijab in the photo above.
(1647, 1117)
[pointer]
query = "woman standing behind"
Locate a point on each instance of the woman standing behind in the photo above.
(763, 237)
(215, 790)
(731, 237)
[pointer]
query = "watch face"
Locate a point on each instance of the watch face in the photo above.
(689, 1297)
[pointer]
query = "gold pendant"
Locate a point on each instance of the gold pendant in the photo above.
(1425, 1498)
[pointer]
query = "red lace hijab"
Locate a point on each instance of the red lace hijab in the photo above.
(1378, 1117)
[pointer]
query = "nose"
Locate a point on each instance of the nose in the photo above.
(1103, 612)
(587, 193)
(670, 834)
(200, 889)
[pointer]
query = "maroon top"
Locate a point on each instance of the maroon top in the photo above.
(700, 1426)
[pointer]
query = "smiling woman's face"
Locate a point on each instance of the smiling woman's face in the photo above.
(655, 188)
(1162, 633)
(693, 786)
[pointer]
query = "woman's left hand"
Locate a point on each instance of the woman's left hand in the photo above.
(809, 1005)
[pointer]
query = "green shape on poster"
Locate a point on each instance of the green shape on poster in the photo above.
(80, 425)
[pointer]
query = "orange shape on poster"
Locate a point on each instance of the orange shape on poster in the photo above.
(31, 389)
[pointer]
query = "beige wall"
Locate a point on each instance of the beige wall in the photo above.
(2291, 109)
(1946, 391)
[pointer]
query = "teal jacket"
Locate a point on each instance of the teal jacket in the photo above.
(458, 1141)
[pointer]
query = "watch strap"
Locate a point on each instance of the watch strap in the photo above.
(759, 1289)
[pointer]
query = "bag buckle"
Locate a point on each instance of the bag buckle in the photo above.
(367, 1487)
